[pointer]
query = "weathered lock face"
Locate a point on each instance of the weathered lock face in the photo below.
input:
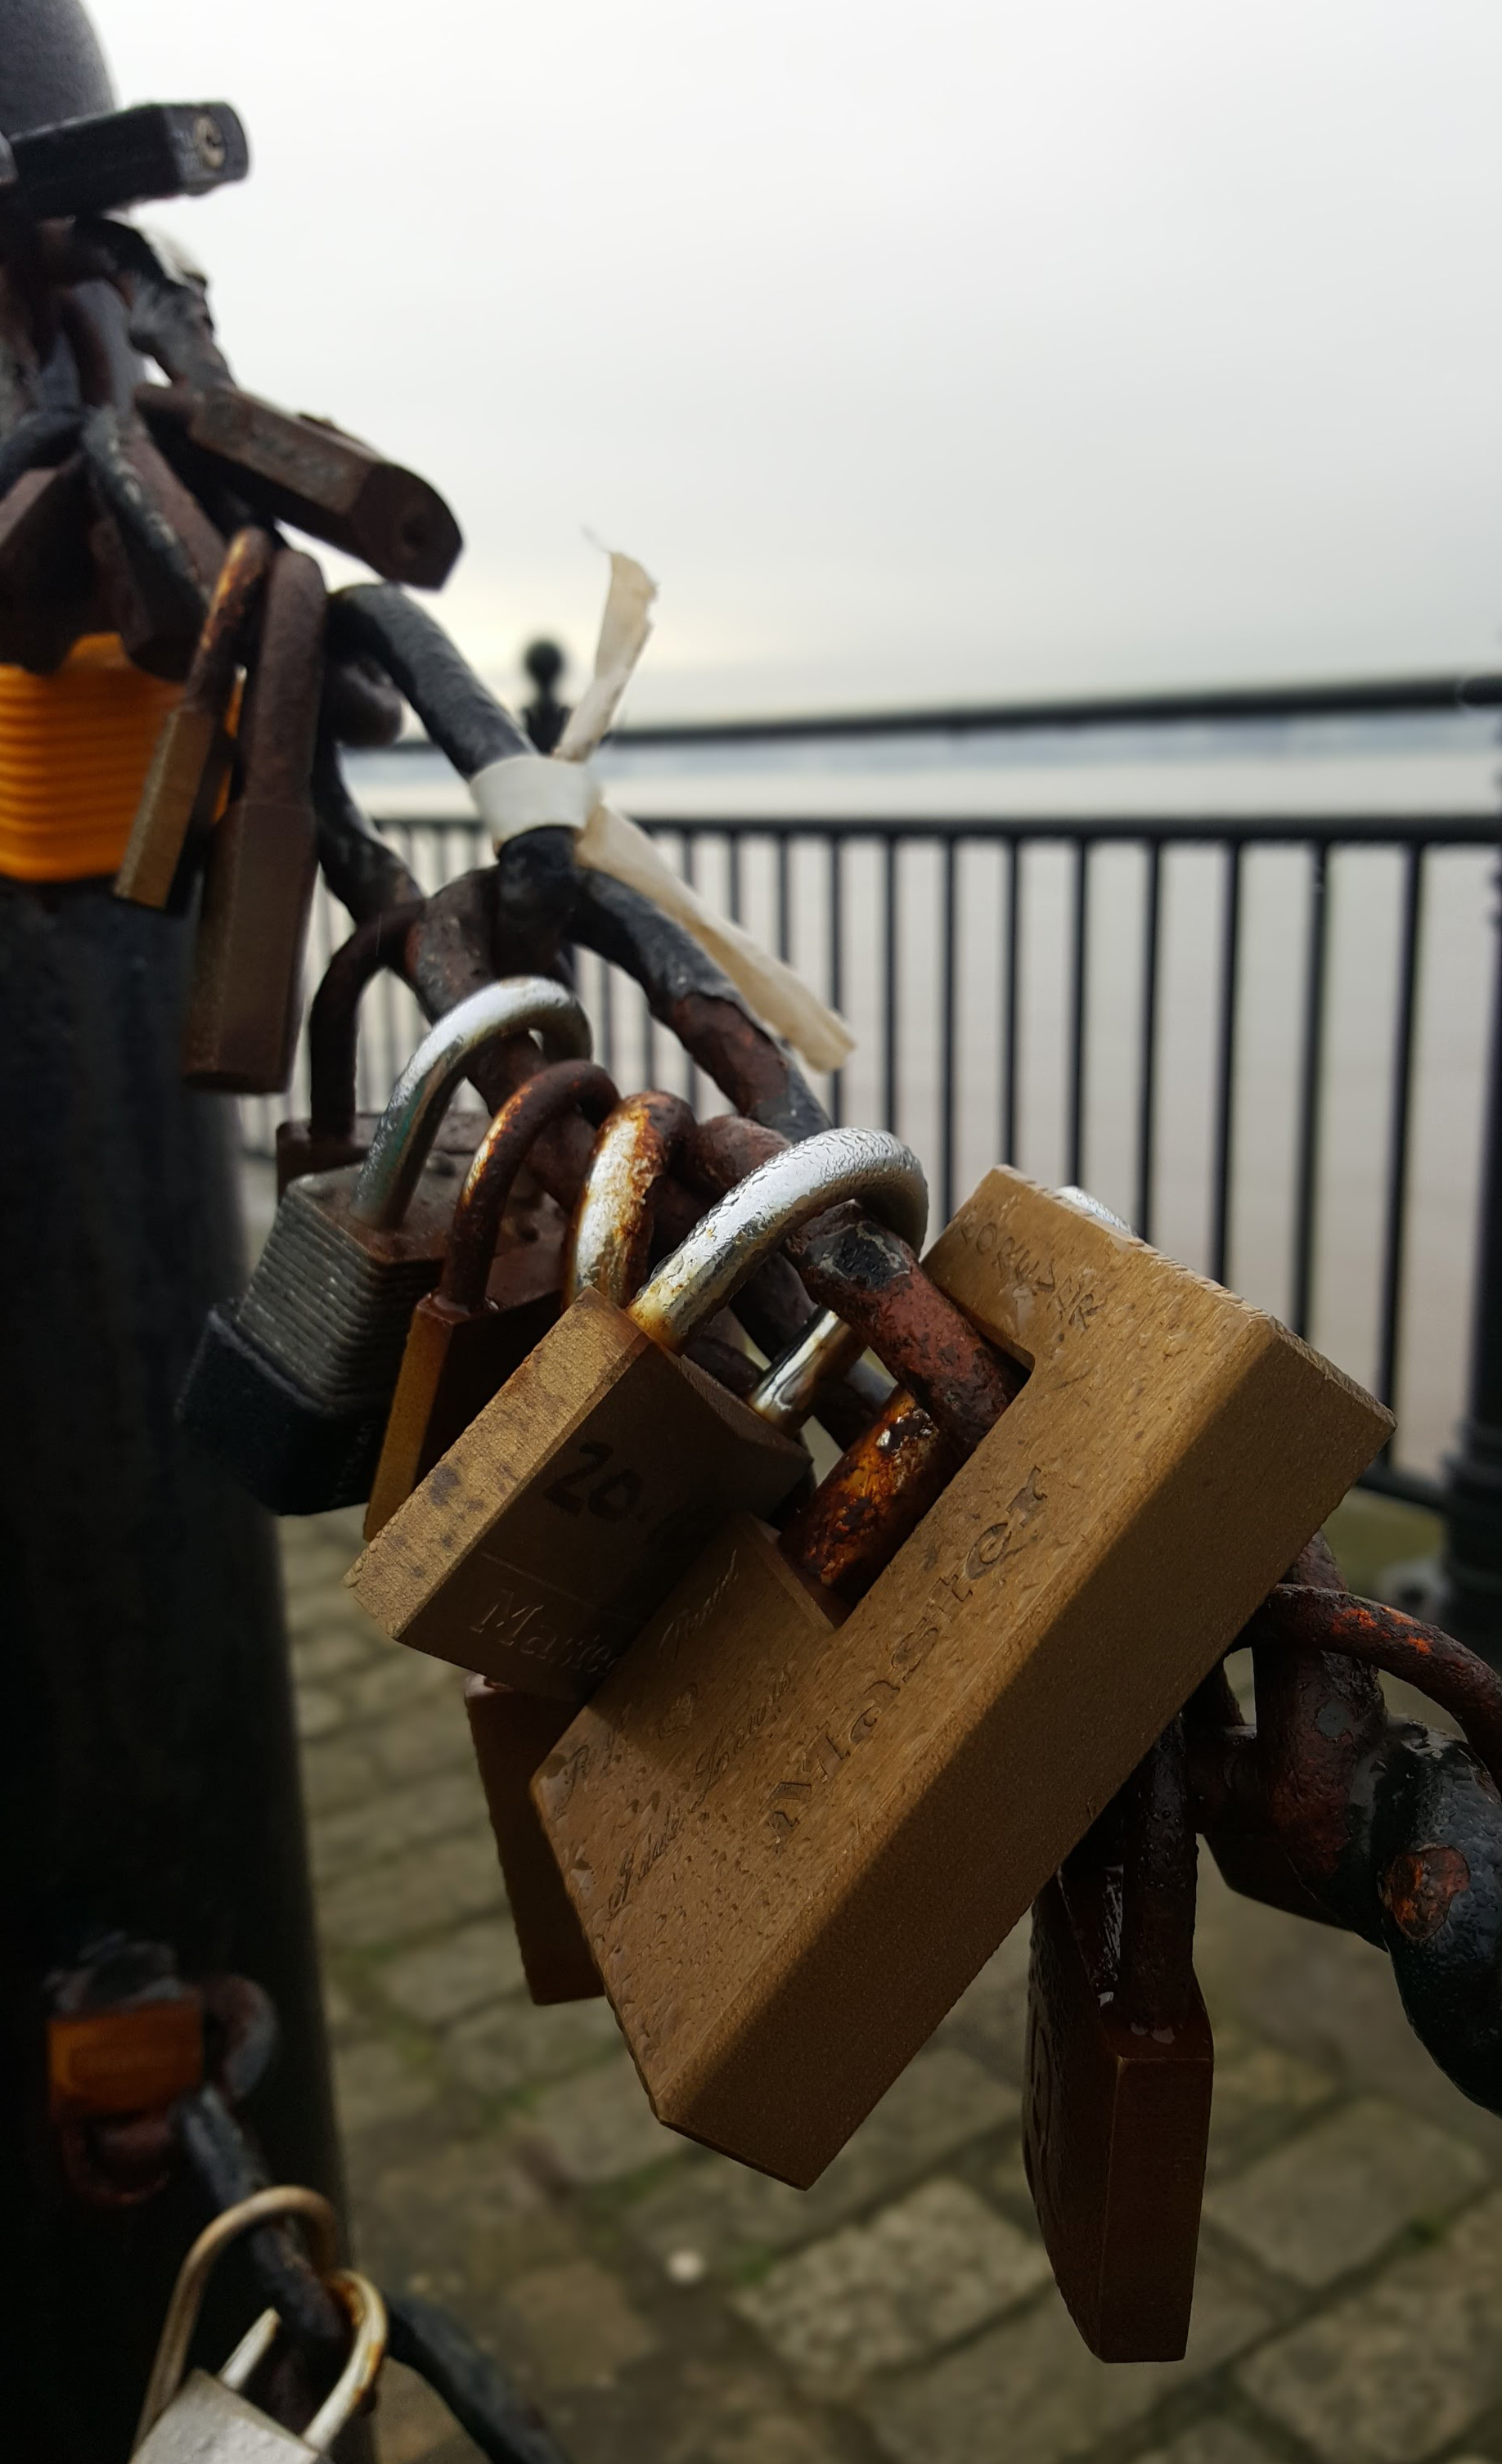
(757, 1814)
(539, 1544)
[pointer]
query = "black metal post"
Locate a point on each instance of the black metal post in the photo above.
(147, 1767)
(1470, 1571)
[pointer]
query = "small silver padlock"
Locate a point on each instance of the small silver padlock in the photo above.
(207, 2420)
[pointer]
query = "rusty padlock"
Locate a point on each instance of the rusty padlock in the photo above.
(1121, 2066)
(814, 1798)
(290, 1386)
(157, 552)
(180, 800)
(309, 472)
(490, 1305)
(48, 589)
(545, 1536)
(245, 994)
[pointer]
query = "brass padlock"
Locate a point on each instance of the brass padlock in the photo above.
(1121, 2065)
(289, 1385)
(180, 800)
(513, 1732)
(817, 1789)
(245, 995)
(209, 2420)
(492, 1303)
(541, 1541)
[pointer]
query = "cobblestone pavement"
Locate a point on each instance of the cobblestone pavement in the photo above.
(669, 2308)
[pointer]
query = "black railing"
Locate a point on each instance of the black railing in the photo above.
(1265, 1039)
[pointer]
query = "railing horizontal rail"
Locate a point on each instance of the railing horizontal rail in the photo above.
(1212, 705)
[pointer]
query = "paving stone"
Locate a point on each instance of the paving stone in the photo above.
(721, 2210)
(339, 1769)
(990, 2017)
(319, 1712)
(599, 2128)
(516, 2041)
(405, 1896)
(373, 2084)
(1260, 2093)
(1030, 2392)
(581, 2329)
(1212, 2442)
(395, 1679)
(1399, 2369)
(412, 2423)
(319, 1602)
(765, 2438)
(429, 1735)
(931, 2268)
(327, 1651)
(457, 1973)
(456, 2218)
(340, 2014)
(399, 1818)
(1330, 2200)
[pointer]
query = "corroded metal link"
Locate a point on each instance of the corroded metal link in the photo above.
(873, 1501)
(869, 1275)
(1333, 1810)
(562, 1086)
(1366, 1630)
(611, 1236)
(1157, 1887)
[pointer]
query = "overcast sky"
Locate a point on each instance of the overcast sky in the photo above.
(976, 349)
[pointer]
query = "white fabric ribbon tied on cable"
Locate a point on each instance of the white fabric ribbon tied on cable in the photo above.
(533, 791)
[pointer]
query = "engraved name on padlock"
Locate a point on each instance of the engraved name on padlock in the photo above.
(816, 1790)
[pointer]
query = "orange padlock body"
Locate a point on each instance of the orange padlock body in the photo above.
(134, 2060)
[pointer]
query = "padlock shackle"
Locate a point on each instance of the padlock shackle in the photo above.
(232, 603)
(562, 1086)
(409, 1123)
(611, 1232)
(729, 1243)
(367, 2312)
(263, 2207)
(334, 1015)
(788, 1393)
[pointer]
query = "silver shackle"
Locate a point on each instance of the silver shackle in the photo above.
(410, 1123)
(728, 1244)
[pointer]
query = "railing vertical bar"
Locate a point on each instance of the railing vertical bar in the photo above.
(946, 1088)
(1013, 945)
(733, 886)
(689, 840)
(607, 1018)
(1147, 1087)
(889, 986)
(1395, 1225)
(1307, 1169)
(1074, 1163)
(1225, 1064)
(784, 901)
(836, 961)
